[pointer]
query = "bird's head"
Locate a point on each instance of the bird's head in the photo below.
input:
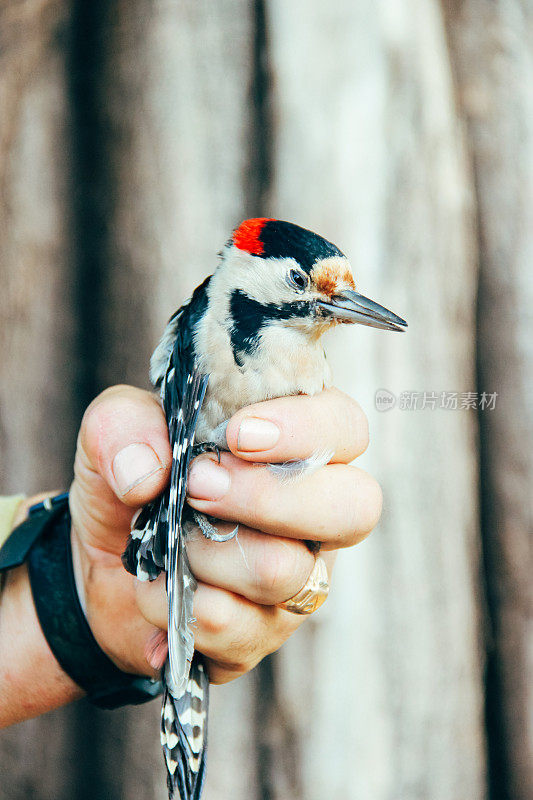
(275, 271)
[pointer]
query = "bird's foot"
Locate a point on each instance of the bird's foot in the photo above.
(210, 531)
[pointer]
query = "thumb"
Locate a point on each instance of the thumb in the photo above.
(122, 462)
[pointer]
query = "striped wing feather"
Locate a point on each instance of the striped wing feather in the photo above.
(157, 543)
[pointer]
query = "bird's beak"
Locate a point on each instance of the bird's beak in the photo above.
(350, 306)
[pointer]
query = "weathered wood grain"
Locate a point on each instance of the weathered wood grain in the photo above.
(384, 688)
(166, 183)
(133, 136)
(37, 328)
(492, 47)
(36, 298)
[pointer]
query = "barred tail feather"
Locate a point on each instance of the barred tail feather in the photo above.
(184, 735)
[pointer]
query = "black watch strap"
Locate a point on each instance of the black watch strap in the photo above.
(44, 541)
(17, 546)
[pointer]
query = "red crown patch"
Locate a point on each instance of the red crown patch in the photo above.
(246, 236)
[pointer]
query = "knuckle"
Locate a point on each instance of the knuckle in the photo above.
(266, 638)
(260, 631)
(283, 626)
(241, 664)
(245, 649)
(268, 569)
(281, 568)
(218, 620)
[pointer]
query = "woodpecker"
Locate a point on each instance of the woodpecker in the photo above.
(250, 332)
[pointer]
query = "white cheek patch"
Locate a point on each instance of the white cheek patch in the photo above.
(263, 279)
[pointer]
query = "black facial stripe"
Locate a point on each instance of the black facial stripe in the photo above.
(249, 317)
(285, 240)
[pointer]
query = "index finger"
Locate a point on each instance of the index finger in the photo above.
(295, 427)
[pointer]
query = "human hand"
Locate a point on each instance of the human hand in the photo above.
(241, 581)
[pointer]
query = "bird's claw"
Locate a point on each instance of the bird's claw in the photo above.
(210, 531)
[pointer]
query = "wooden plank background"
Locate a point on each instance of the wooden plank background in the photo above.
(133, 137)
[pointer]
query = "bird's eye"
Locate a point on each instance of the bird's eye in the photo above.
(297, 280)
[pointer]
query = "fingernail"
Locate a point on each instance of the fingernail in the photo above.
(207, 480)
(257, 434)
(133, 464)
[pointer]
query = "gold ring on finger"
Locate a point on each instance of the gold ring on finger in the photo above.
(312, 594)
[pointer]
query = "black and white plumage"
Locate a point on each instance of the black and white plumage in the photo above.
(250, 332)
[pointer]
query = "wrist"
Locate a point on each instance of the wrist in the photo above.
(25, 654)
(43, 630)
